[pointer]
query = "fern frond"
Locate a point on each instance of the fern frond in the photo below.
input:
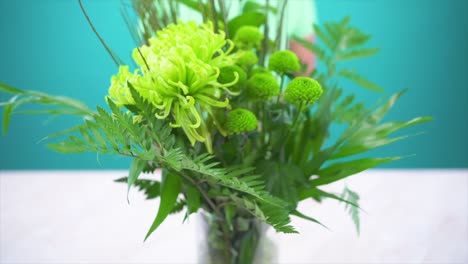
(353, 211)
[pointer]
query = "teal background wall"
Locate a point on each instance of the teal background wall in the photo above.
(47, 45)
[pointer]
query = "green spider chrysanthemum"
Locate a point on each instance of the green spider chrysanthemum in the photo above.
(248, 37)
(262, 86)
(178, 74)
(241, 120)
(303, 91)
(284, 61)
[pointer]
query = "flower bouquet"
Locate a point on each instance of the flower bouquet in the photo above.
(227, 115)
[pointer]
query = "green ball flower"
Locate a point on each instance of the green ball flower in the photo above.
(241, 120)
(303, 90)
(284, 61)
(262, 86)
(247, 58)
(248, 37)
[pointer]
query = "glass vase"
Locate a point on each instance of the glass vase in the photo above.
(243, 241)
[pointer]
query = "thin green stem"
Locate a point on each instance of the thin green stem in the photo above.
(279, 32)
(265, 42)
(114, 58)
(214, 15)
(173, 11)
(294, 124)
(222, 9)
(281, 88)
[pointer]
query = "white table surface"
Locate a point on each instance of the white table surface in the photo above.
(412, 216)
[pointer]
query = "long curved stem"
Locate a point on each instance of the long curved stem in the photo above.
(114, 58)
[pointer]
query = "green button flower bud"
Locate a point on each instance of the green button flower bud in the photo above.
(303, 90)
(241, 120)
(284, 61)
(262, 86)
(247, 58)
(248, 37)
(261, 70)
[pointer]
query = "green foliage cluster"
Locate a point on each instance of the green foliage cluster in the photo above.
(269, 151)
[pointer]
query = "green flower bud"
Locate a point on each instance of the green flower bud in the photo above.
(241, 120)
(303, 90)
(248, 37)
(262, 86)
(284, 61)
(261, 70)
(247, 58)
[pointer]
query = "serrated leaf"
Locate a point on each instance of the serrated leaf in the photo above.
(282, 180)
(170, 189)
(353, 210)
(316, 50)
(330, 43)
(151, 188)
(357, 53)
(359, 80)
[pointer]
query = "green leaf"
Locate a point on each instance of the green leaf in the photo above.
(318, 194)
(151, 188)
(341, 170)
(230, 212)
(136, 168)
(170, 189)
(371, 137)
(353, 211)
(247, 247)
(380, 113)
(246, 19)
(64, 132)
(9, 89)
(329, 42)
(359, 80)
(316, 50)
(303, 216)
(6, 116)
(283, 180)
(252, 6)
(193, 197)
(357, 53)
